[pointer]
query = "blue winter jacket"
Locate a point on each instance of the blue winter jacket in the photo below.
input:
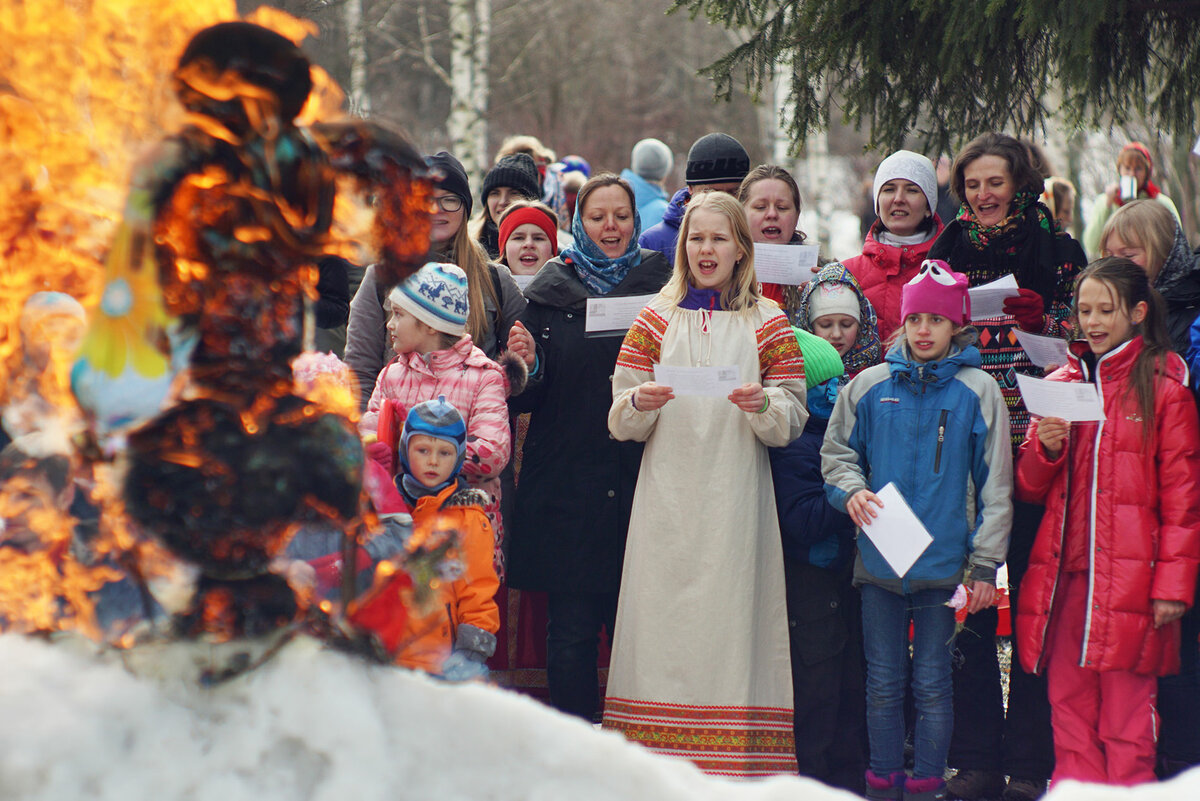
(662, 236)
(813, 530)
(939, 431)
(651, 199)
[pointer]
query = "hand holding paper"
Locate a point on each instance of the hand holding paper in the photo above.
(1076, 402)
(899, 534)
(749, 397)
(988, 300)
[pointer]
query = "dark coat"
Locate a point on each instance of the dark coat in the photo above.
(813, 531)
(575, 491)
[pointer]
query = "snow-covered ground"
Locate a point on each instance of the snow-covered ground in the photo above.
(313, 724)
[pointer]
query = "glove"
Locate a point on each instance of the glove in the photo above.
(464, 666)
(381, 454)
(1029, 310)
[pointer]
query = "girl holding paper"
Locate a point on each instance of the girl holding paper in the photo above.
(1002, 228)
(566, 536)
(771, 199)
(931, 423)
(1114, 565)
(700, 659)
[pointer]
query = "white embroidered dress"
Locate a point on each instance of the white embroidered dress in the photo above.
(700, 666)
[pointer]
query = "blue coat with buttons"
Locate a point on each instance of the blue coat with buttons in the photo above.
(575, 490)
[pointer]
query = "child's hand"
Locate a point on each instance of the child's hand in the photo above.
(520, 342)
(650, 396)
(1167, 612)
(982, 596)
(1052, 433)
(749, 397)
(859, 507)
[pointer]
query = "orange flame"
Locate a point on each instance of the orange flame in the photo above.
(85, 91)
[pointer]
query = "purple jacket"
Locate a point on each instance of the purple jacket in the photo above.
(662, 237)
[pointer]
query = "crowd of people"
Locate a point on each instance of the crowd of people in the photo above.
(690, 567)
(717, 542)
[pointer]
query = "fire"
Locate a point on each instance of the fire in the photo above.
(194, 249)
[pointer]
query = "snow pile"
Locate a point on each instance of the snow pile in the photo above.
(313, 724)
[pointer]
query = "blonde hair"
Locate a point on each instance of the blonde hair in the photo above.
(1147, 223)
(524, 143)
(470, 256)
(741, 295)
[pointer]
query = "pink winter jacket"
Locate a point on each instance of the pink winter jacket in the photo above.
(476, 386)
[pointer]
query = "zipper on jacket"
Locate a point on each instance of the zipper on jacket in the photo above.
(937, 459)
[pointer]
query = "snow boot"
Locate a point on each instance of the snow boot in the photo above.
(885, 788)
(930, 789)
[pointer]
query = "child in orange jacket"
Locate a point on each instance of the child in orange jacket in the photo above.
(456, 638)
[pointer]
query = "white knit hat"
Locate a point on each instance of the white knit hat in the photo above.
(911, 167)
(833, 297)
(436, 295)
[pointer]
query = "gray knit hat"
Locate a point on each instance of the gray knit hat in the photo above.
(651, 159)
(911, 167)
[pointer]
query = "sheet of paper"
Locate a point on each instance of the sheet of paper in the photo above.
(713, 382)
(607, 315)
(1071, 401)
(988, 300)
(790, 265)
(898, 533)
(523, 281)
(1043, 351)
(1196, 147)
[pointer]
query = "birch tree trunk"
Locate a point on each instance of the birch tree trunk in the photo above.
(470, 36)
(358, 97)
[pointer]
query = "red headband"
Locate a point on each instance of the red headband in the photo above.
(528, 214)
(1145, 153)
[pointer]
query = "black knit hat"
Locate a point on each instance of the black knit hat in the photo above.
(516, 171)
(716, 158)
(454, 178)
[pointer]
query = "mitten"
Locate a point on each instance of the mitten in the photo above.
(382, 455)
(1029, 310)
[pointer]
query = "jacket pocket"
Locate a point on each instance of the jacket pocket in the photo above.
(817, 630)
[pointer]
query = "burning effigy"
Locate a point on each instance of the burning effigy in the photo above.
(179, 411)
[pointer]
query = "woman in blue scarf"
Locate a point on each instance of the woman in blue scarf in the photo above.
(567, 533)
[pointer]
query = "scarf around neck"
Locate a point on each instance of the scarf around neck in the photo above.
(599, 273)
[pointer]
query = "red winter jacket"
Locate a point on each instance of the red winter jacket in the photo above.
(881, 270)
(1132, 510)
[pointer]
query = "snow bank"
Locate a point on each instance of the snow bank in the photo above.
(313, 724)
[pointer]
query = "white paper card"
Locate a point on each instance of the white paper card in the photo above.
(523, 281)
(899, 534)
(1074, 402)
(712, 382)
(1196, 147)
(988, 300)
(1043, 351)
(790, 265)
(606, 314)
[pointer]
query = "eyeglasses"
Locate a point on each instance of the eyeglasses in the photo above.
(449, 203)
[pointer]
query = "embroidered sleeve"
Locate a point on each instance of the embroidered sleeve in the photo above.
(642, 347)
(779, 357)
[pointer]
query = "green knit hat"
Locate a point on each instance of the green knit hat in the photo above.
(821, 360)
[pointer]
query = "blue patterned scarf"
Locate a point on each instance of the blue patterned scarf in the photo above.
(599, 273)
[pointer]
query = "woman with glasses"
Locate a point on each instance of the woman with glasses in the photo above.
(495, 300)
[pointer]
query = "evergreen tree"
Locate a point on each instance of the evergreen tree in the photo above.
(945, 70)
